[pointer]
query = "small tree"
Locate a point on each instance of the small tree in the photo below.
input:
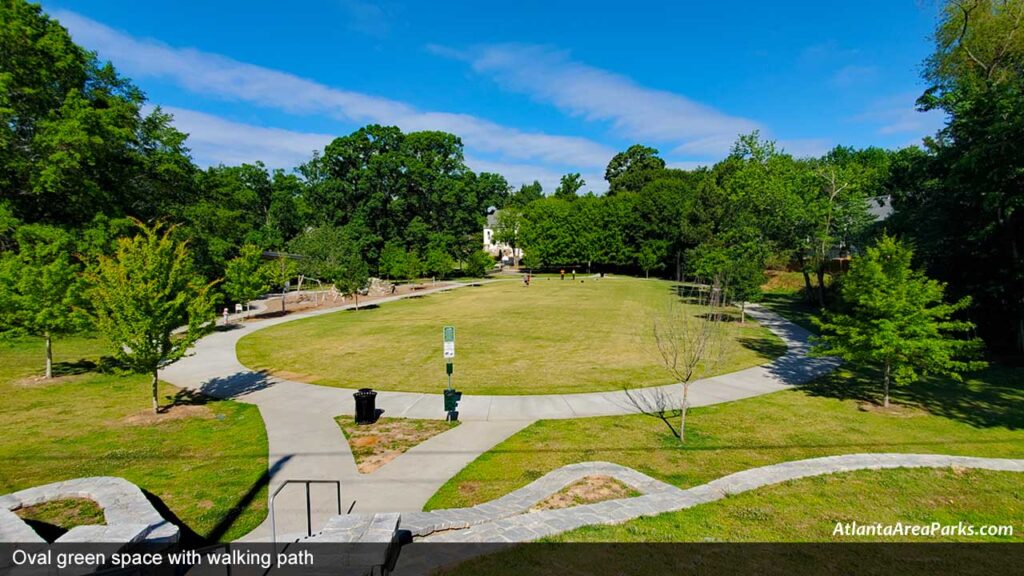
(439, 263)
(245, 277)
(278, 273)
(650, 256)
(690, 341)
(392, 261)
(510, 221)
(479, 263)
(738, 258)
(895, 319)
(40, 287)
(143, 294)
(351, 274)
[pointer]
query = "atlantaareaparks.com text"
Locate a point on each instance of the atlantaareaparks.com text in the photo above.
(920, 530)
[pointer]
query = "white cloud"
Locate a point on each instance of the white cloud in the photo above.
(215, 75)
(897, 115)
(214, 140)
(634, 111)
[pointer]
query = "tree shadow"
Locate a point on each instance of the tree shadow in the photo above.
(237, 384)
(987, 399)
(186, 397)
(765, 347)
(189, 538)
(374, 306)
(794, 307)
(75, 368)
(990, 398)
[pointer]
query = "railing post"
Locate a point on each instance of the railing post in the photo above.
(309, 514)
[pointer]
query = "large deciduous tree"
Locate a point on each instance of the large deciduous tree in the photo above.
(631, 170)
(895, 319)
(569, 186)
(149, 302)
(963, 201)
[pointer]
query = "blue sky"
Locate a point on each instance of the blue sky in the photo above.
(535, 89)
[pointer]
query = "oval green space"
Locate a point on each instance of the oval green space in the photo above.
(555, 336)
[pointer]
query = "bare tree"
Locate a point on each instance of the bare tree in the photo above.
(689, 336)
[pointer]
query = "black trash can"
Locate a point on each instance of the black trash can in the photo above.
(451, 403)
(366, 406)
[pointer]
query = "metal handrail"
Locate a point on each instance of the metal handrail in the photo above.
(309, 511)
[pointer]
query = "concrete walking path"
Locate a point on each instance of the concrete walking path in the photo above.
(305, 443)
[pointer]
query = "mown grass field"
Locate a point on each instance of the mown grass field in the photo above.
(204, 462)
(554, 337)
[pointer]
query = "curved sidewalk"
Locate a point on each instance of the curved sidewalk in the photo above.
(305, 442)
(215, 370)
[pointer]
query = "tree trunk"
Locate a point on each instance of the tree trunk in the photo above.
(284, 294)
(885, 402)
(682, 412)
(743, 312)
(49, 355)
(647, 274)
(821, 286)
(808, 287)
(356, 293)
(156, 406)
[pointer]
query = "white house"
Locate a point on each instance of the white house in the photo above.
(498, 249)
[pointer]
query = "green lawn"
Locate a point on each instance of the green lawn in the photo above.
(205, 464)
(553, 337)
(980, 418)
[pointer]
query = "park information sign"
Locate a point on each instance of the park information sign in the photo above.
(449, 342)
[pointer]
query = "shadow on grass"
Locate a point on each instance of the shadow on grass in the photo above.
(765, 347)
(191, 539)
(990, 398)
(187, 397)
(793, 307)
(75, 368)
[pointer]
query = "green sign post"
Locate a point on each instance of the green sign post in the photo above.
(451, 396)
(449, 351)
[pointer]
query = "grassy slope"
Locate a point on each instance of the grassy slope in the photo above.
(808, 509)
(982, 418)
(553, 337)
(726, 438)
(201, 467)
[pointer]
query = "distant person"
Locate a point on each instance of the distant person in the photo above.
(573, 273)
(526, 280)
(394, 288)
(562, 272)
